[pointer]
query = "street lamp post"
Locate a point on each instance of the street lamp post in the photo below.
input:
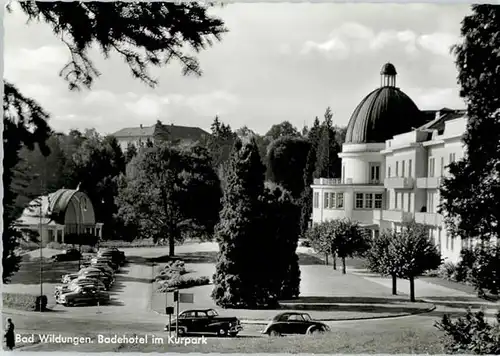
(41, 255)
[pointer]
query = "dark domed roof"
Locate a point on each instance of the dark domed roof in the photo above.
(383, 113)
(388, 69)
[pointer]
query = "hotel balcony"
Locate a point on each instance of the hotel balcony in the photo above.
(399, 183)
(396, 215)
(429, 182)
(339, 181)
(432, 219)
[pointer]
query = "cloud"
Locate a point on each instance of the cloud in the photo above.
(45, 58)
(356, 39)
(436, 98)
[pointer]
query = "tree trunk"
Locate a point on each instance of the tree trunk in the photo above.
(334, 257)
(394, 285)
(343, 265)
(412, 289)
(326, 259)
(171, 245)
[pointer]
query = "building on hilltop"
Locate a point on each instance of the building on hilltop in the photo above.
(66, 211)
(393, 161)
(140, 136)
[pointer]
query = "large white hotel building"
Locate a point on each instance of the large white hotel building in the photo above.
(393, 161)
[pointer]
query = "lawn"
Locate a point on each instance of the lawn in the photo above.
(355, 340)
(29, 271)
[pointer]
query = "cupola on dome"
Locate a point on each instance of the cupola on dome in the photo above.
(385, 112)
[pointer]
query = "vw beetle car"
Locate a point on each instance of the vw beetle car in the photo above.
(83, 295)
(294, 323)
(205, 321)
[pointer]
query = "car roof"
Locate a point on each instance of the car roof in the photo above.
(279, 315)
(197, 310)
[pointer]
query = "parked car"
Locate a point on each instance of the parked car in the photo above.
(113, 265)
(79, 282)
(83, 295)
(66, 278)
(104, 267)
(97, 274)
(71, 254)
(112, 252)
(205, 321)
(294, 323)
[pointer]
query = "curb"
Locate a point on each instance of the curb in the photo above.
(429, 309)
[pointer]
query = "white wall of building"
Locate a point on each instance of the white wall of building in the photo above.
(412, 149)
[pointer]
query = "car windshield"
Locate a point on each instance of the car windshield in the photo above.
(212, 312)
(306, 316)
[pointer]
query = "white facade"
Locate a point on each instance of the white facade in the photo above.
(384, 184)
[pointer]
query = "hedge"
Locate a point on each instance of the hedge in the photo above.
(181, 283)
(20, 301)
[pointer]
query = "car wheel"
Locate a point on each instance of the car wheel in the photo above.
(222, 332)
(274, 333)
(181, 332)
(315, 331)
(233, 334)
(69, 304)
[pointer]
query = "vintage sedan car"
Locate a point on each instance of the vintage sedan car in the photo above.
(108, 261)
(97, 274)
(114, 254)
(71, 254)
(66, 278)
(83, 295)
(79, 282)
(205, 321)
(294, 323)
(103, 267)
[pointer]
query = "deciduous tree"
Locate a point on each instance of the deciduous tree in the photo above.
(281, 130)
(286, 161)
(173, 193)
(471, 195)
(405, 254)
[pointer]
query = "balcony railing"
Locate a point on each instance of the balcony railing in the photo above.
(429, 182)
(396, 215)
(339, 181)
(327, 181)
(432, 219)
(399, 182)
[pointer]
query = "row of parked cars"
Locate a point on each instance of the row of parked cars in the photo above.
(90, 285)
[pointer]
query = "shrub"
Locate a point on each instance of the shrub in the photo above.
(181, 283)
(305, 243)
(22, 301)
(446, 270)
(471, 334)
(485, 272)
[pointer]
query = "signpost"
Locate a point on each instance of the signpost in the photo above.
(169, 311)
(184, 298)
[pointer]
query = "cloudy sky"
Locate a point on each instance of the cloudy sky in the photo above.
(278, 62)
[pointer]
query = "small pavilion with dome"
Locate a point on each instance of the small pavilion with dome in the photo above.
(66, 211)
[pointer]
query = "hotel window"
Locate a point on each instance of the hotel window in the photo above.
(340, 200)
(369, 201)
(402, 168)
(452, 157)
(388, 171)
(332, 201)
(447, 242)
(374, 172)
(325, 200)
(359, 200)
(397, 168)
(378, 201)
(409, 168)
(316, 200)
(430, 202)
(452, 243)
(441, 168)
(432, 162)
(343, 173)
